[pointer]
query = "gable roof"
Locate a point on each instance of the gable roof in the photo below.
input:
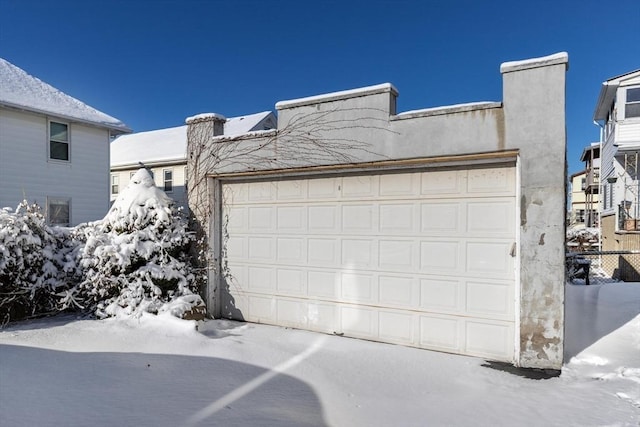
(608, 93)
(167, 145)
(20, 90)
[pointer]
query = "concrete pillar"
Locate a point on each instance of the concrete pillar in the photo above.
(534, 110)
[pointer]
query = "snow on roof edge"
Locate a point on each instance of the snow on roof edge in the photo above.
(448, 109)
(543, 61)
(334, 96)
(205, 116)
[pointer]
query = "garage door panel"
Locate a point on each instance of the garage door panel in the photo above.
(358, 253)
(489, 339)
(439, 332)
(261, 279)
(261, 309)
(237, 247)
(421, 258)
(439, 218)
(364, 186)
(440, 256)
(323, 284)
(397, 254)
(291, 281)
(396, 327)
(291, 250)
(359, 322)
(491, 218)
(291, 219)
(261, 219)
(324, 219)
(291, 190)
(490, 299)
(398, 291)
(489, 259)
(358, 288)
(441, 295)
(406, 184)
(261, 249)
(323, 252)
(322, 316)
(261, 191)
(441, 183)
(358, 219)
(324, 188)
(489, 181)
(398, 218)
(291, 312)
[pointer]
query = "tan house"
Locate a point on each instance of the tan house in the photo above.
(578, 208)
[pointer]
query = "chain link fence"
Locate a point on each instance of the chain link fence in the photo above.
(598, 267)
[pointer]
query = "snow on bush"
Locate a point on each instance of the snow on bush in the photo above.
(137, 258)
(30, 263)
(134, 260)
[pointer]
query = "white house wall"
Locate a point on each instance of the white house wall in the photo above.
(26, 172)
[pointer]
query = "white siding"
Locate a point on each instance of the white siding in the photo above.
(628, 130)
(25, 171)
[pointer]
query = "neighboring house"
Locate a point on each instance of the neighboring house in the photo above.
(441, 228)
(578, 199)
(163, 152)
(591, 184)
(54, 149)
(617, 112)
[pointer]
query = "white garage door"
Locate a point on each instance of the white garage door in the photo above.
(421, 259)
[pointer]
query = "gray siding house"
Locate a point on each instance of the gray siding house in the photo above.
(54, 149)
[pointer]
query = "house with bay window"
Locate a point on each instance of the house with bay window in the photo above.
(617, 113)
(54, 149)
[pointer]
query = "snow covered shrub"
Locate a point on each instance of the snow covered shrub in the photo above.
(29, 263)
(137, 258)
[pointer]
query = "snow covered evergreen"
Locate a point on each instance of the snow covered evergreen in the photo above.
(134, 260)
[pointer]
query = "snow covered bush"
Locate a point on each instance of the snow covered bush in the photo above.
(30, 263)
(137, 258)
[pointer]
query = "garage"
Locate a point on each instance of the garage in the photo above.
(423, 258)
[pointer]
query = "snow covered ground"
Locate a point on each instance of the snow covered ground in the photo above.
(161, 371)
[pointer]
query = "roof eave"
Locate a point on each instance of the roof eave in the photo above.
(115, 129)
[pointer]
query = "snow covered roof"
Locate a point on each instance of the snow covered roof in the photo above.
(18, 89)
(166, 145)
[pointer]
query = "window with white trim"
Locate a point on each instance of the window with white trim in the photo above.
(168, 180)
(59, 211)
(632, 104)
(115, 184)
(59, 141)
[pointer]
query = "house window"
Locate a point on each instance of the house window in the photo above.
(115, 181)
(59, 211)
(632, 106)
(58, 141)
(168, 180)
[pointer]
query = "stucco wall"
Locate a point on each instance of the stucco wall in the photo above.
(528, 126)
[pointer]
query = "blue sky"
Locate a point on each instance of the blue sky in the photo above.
(152, 63)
